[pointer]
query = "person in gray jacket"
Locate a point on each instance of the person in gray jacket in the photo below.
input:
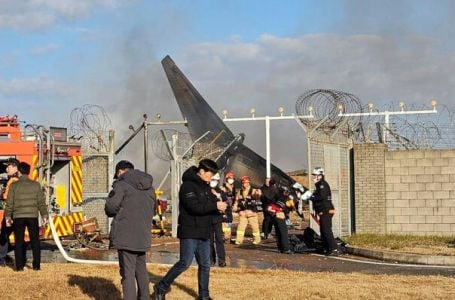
(131, 203)
(25, 202)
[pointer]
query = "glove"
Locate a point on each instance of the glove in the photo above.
(307, 195)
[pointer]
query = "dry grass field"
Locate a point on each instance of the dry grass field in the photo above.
(73, 281)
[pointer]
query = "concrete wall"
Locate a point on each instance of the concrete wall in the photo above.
(370, 195)
(96, 179)
(414, 188)
(95, 170)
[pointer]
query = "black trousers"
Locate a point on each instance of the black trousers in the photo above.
(328, 241)
(281, 230)
(267, 223)
(5, 232)
(133, 269)
(19, 225)
(217, 243)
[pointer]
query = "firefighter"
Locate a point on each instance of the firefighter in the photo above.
(217, 236)
(277, 210)
(246, 205)
(229, 191)
(323, 206)
(269, 194)
(13, 175)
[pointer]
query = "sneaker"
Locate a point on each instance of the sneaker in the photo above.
(287, 251)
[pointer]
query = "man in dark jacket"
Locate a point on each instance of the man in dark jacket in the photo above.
(277, 210)
(131, 204)
(322, 204)
(197, 207)
(25, 202)
(270, 194)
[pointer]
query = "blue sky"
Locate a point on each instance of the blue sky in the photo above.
(58, 55)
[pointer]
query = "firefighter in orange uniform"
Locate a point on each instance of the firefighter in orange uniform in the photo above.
(229, 191)
(246, 202)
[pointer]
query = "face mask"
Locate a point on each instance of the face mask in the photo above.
(213, 183)
(230, 181)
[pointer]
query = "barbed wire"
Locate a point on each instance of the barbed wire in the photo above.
(410, 131)
(324, 105)
(206, 147)
(161, 143)
(90, 124)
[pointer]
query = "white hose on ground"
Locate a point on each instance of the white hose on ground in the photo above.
(83, 261)
(69, 258)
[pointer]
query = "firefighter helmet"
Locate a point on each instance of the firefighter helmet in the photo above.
(318, 171)
(229, 175)
(298, 186)
(245, 179)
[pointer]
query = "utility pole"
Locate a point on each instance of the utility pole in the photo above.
(267, 120)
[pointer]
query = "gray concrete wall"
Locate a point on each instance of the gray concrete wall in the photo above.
(95, 170)
(370, 196)
(96, 186)
(416, 192)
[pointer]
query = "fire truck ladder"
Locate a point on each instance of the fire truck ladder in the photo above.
(46, 158)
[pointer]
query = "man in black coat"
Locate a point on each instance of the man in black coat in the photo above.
(197, 207)
(131, 203)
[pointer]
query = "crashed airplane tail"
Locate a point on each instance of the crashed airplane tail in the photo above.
(234, 156)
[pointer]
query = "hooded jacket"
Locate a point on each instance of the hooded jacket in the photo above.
(132, 205)
(197, 207)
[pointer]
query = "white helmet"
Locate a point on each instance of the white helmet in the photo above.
(318, 171)
(298, 186)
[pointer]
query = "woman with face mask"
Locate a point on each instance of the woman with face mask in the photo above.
(246, 203)
(229, 191)
(217, 235)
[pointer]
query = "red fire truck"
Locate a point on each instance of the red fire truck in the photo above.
(56, 163)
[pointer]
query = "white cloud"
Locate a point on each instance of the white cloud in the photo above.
(31, 87)
(38, 14)
(44, 49)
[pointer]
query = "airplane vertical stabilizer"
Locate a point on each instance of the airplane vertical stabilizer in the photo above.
(201, 118)
(194, 108)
